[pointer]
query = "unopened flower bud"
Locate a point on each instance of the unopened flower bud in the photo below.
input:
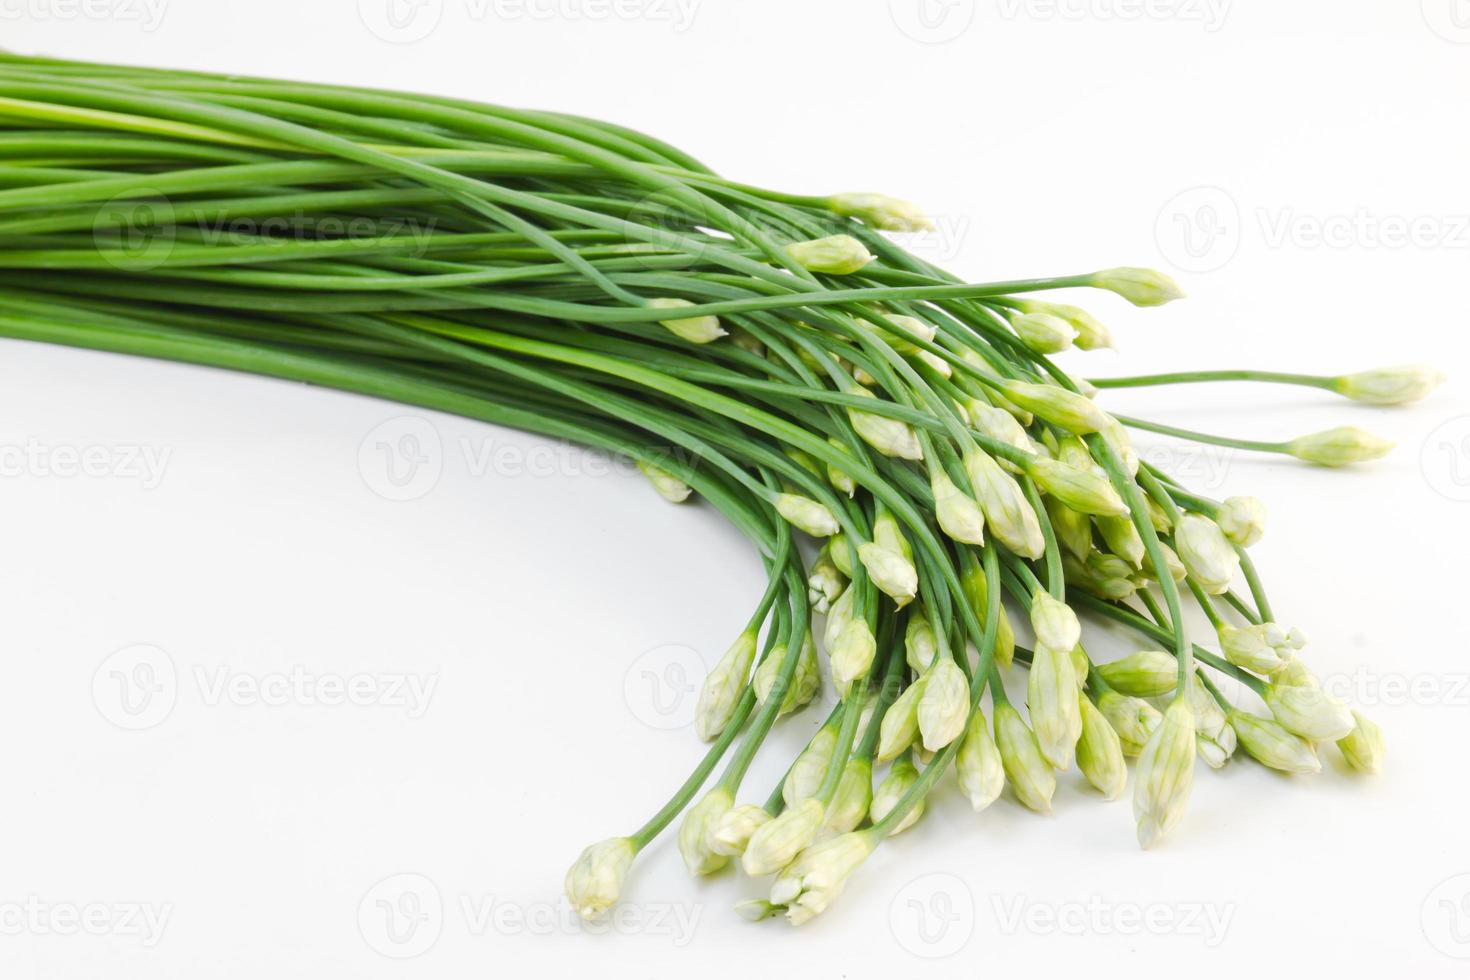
(1012, 519)
(838, 477)
(919, 643)
(826, 581)
(1363, 746)
(836, 255)
(1207, 555)
(1247, 647)
(1051, 696)
(1091, 334)
(1134, 719)
(695, 329)
(1390, 386)
(1043, 332)
(596, 879)
(731, 833)
(1165, 774)
(1141, 287)
(1309, 712)
(1054, 622)
(853, 797)
(880, 211)
(1214, 738)
(900, 724)
(755, 909)
(1058, 406)
(720, 694)
(817, 877)
(1243, 519)
(889, 436)
(696, 832)
(890, 571)
(1084, 491)
(1100, 751)
(1072, 528)
(901, 775)
(776, 842)
(959, 516)
(810, 768)
(838, 617)
(668, 486)
(1173, 567)
(806, 514)
(1000, 425)
(1145, 674)
(852, 656)
(944, 704)
(1339, 447)
(1027, 770)
(977, 764)
(1272, 745)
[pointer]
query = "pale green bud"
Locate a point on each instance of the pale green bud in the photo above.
(1272, 745)
(732, 832)
(838, 617)
(1027, 770)
(1247, 647)
(696, 831)
(919, 643)
(944, 705)
(1214, 738)
(934, 362)
(1141, 287)
(912, 325)
(1091, 334)
(669, 487)
(837, 255)
(1173, 567)
(806, 514)
(1243, 519)
(808, 679)
(1309, 712)
(826, 581)
(1122, 539)
(900, 724)
(837, 477)
(1165, 774)
(1145, 674)
(720, 694)
(1134, 719)
(1100, 752)
(958, 515)
(901, 775)
(1339, 447)
(889, 436)
(768, 673)
(1054, 623)
(747, 341)
(973, 584)
(776, 842)
(888, 534)
(1012, 519)
(816, 879)
(851, 801)
(1084, 491)
(810, 768)
(880, 211)
(978, 766)
(1058, 406)
(594, 882)
(695, 329)
(1209, 558)
(1072, 528)
(890, 571)
(1043, 332)
(1363, 746)
(1000, 425)
(853, 654)
(841, 554)
(1161, 520)
(1095, 582)
(755, 909)
(1390, 386)
(1051, 696)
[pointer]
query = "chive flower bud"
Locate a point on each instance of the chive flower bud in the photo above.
(915, 326)
(1011, 517)
(1310, 712)
(1054, 623)
(1390, 386)
(1100, 751)
(1072, 528)
(731, 833)
(1000, 425)
(695, 329)
(755, 909)
(919, 643)
(977, 764)
(836, 255)
(1243, 519)
(853, 654)
(1043, 332)
(901, 775)
(1134, 719)
(900, 724)
(1165, 774)
(1270, 744)
(810, 768)
(837, 477)
(1085, 491)
(1051, 696)
(853, 797)
(890, 571)
(880, 211)
(1248, 647)
(1363, 746)
(958, 515)
(668, 486)
(838, 617)
(1095, 581)
(1214, 738)
(1207, 555)
(944, 705)
(776, 842)
(1145, 674)
(1173, 567)
(1091, 334)
(816, 879)
(1141, 287)
(806, 514)
(594, 882)
(696, 831)
(1339, 447)
(1123, 539)
(1028, 772)
(1057, 405)
(840, 553)
(720, 694)
(826, 581)
(889, 436)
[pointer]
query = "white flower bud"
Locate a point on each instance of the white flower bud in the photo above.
(1091, 334)
(1173, 567)
(695, 329)
(1165, 774)
(838, 616)
(810, 768)
(1043, 332)
(1082, 490)
(1339, 447)
(731, 833)
(919, 643)
(806, 514)
(1054, 623)
(944, 705)
(1141, 287)
(958, 515)
(901, 775)
(838, 477)
(890, 571)
(1247, 647)
(1390, 386)
(754, 909)
(852, 655)
(695, 833)
(1363, 746)
(1028, 772)
(668, 486)
(1123, 539)
(1134, 719)
(1145, 674)
(841, 554)
(900, 724)
(913, 325)
(1100, 752)
(1209, 558)
(1000, 425)
(720, 694)
(776, 842)
(1272, 745)
(594, 882)
(826, 581)
(1072, 528)
(816, 879)
(1058, 406)
(1214, 738)
(1243, 519)
(881, 211)
(1012, 519)
(1051, 697)
(889, 436)
(837, 255)
(851, 801)
(1309, 712)
(977, 764)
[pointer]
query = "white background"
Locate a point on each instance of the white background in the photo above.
(1269, 154)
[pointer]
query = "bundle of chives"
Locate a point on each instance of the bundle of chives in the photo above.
(774, 354)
